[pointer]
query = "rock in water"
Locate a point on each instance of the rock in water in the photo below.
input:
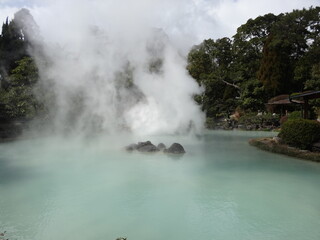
(161, 146)
(175, 148)
(142, 144)
(146, 147)
(131, 147)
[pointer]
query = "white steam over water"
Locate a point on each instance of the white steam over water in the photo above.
(108, 68)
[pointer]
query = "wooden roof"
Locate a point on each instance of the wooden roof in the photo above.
(283, 100)
(306, 95)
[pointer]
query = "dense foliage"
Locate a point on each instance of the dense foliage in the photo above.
(18, 72)
(18, 99)
(269, 55)
(295, 115)
(300, 133)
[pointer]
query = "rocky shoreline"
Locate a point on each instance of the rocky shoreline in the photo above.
(273, 145)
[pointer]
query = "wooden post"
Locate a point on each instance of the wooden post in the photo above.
(306, 109)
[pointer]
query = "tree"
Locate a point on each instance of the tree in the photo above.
(290, 51)
(19, 99)
(210, 64)
(275, 69)
(248, 45)
(15, 42)
(199, 63)
(314, 82)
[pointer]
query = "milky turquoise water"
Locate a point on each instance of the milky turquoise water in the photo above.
(222, 188)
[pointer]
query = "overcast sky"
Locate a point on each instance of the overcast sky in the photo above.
(187, 20)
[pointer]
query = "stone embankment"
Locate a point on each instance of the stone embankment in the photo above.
(276, 146)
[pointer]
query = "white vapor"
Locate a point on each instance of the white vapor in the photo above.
(108, 69)
(92, 44)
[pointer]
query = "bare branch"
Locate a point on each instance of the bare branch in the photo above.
(231, 84)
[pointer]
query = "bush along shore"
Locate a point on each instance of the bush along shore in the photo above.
(298, 138)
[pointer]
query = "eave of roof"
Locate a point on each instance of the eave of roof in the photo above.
(306, 95)
(285, 101)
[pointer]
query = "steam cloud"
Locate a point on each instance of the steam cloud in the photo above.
(108, 68)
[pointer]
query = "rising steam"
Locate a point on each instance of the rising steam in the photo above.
(106, 68)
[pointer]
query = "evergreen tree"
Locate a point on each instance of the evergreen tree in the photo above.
(19, 100)
(18, 72)
(13, 47)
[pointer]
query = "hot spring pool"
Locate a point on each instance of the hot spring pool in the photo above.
(54, 188)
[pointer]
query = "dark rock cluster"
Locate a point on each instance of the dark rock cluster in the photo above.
(175, 148)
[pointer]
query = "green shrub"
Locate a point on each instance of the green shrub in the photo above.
(300, 133)
(295, 115)
(291, 116)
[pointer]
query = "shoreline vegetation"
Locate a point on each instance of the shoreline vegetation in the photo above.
(274, 146)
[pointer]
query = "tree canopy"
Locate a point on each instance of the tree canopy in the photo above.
(269, 55)
(18, 72)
